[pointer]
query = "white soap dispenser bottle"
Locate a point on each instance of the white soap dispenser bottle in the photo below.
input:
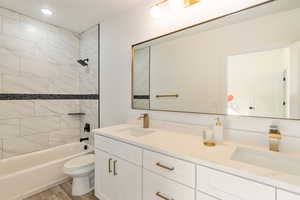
(218, 131)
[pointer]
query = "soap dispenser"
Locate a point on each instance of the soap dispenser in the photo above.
(218, 131)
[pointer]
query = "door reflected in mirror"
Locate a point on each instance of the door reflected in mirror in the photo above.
(247, 63)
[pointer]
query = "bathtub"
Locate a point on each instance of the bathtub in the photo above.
(25, 175)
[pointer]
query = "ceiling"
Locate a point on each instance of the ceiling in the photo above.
(75, 15)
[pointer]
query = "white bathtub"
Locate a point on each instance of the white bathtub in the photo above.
(28, 174)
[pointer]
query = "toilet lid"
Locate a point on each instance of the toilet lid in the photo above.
(81, 161)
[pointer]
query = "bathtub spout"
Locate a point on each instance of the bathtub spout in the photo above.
(84, 139)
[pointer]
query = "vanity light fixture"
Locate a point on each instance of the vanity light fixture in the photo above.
(155, 11)
(46, 11)
(174, 4)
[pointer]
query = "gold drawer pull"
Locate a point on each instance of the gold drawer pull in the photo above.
(165, 167)
(167, 95)
(162, 196)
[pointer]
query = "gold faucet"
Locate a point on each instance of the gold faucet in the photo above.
(145, 118)
(274, 138)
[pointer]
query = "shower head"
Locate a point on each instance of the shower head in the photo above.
(83, 62)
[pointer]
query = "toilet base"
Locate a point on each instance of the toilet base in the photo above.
(82, 185)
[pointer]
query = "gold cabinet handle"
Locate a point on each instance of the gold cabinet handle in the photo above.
(115, 171)
(109, 165)
(162, 196)
(165, 167)
(167, 95)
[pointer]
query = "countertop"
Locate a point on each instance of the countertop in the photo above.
(189, 147)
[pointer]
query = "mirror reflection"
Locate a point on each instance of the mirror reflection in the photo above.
(246, 64)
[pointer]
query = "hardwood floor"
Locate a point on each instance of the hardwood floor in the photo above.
(61, 192)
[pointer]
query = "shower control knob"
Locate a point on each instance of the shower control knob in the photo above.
(251, 108)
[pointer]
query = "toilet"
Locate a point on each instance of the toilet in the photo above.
(81, 169)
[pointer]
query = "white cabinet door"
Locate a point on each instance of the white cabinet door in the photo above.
(283, 195)
(229, 187)
(128, 180)
(104, 180)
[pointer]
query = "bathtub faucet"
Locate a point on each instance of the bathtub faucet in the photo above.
(83, 139)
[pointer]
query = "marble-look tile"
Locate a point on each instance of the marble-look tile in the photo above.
(7, 13)
(19, 29)
(1, 149)
(90, 108)
(39, 58)
(89, 79)
(70, 122)
(1, 75)
(9, 62)
(17, 146)
(42, 139)
(38, 67)
(19, 46)
(9, 128)
(16, 109)
(63, 85)
(64, 136)
(56, 107)
(24, 84)
(39, 125)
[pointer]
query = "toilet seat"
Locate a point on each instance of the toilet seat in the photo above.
(80, 164)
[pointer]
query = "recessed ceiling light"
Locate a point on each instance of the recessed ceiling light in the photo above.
(46, 11)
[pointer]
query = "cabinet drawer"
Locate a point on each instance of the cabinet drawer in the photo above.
(201, 196)
(159, 188)
(283, 195)
(229, 187)
(171, 168)
(122, 150)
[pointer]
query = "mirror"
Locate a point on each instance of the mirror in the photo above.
(246, 64)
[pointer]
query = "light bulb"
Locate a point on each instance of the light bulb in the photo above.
(176, 4)
(46, 11)
(155, 11)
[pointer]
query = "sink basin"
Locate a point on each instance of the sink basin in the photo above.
(270, 160)
(137, 132)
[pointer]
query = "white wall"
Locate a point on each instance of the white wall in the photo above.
(117, 36)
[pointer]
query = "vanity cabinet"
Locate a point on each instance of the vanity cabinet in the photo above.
(229, 187)
(283, 195)
(127, 172)
(118, 171)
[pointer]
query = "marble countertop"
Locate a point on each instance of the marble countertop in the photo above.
(189, 147)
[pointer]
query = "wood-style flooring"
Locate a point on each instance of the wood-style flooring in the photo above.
(61, 192)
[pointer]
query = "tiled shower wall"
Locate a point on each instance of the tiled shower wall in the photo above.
(88, 79)
(37, 58)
